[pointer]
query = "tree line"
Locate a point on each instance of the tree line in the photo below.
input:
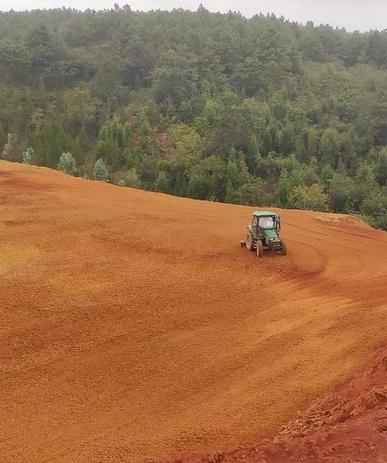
(259, 111)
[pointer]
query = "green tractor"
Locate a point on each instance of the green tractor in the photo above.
(264, 233)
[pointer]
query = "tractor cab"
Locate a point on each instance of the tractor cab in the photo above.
(264, 233)
(266, 221)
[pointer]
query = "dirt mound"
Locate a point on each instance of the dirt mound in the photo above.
(133, 325)
(348, 426)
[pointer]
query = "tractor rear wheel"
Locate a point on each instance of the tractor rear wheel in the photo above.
(284, 248)
(250, 241)
(259, 248)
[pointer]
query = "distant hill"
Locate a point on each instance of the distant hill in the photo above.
(199, 104)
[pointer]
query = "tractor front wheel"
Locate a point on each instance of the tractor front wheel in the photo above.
(250, 242)
(284, 248)
(259, 248)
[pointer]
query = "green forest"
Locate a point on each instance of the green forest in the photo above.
(259, 111)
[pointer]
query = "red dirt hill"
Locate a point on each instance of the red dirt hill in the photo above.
(133, 325)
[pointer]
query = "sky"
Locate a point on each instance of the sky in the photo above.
(351, 14)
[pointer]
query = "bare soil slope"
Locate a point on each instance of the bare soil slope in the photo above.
(348, 426)
(133, 326)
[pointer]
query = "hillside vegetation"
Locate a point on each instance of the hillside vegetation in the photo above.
(256, 111)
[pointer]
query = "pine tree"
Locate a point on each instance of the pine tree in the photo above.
(100, 171)
(27, 156)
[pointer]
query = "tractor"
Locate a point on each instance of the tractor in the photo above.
(264, 233)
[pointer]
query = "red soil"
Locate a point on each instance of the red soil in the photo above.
(348, 426)
(133, 326)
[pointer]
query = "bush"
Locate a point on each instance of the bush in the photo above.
(27, 156)
(12, 148)
(312, 198)
(162, 183)
(371, 221)
(132, 179)
(381, 221)
(67, 164)
(100, 171)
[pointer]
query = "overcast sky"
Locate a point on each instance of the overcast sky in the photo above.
(352, 14)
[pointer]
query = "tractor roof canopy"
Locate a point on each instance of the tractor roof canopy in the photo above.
(264, 214)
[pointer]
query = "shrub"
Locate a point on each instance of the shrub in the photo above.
(12, 148)
(312, 197)
(132, 179)
(381, 221)
(100, 171)
(371, 221)
(162, 182)
(67, 164)
(27, 156)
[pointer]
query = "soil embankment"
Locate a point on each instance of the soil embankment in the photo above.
(348, 426)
